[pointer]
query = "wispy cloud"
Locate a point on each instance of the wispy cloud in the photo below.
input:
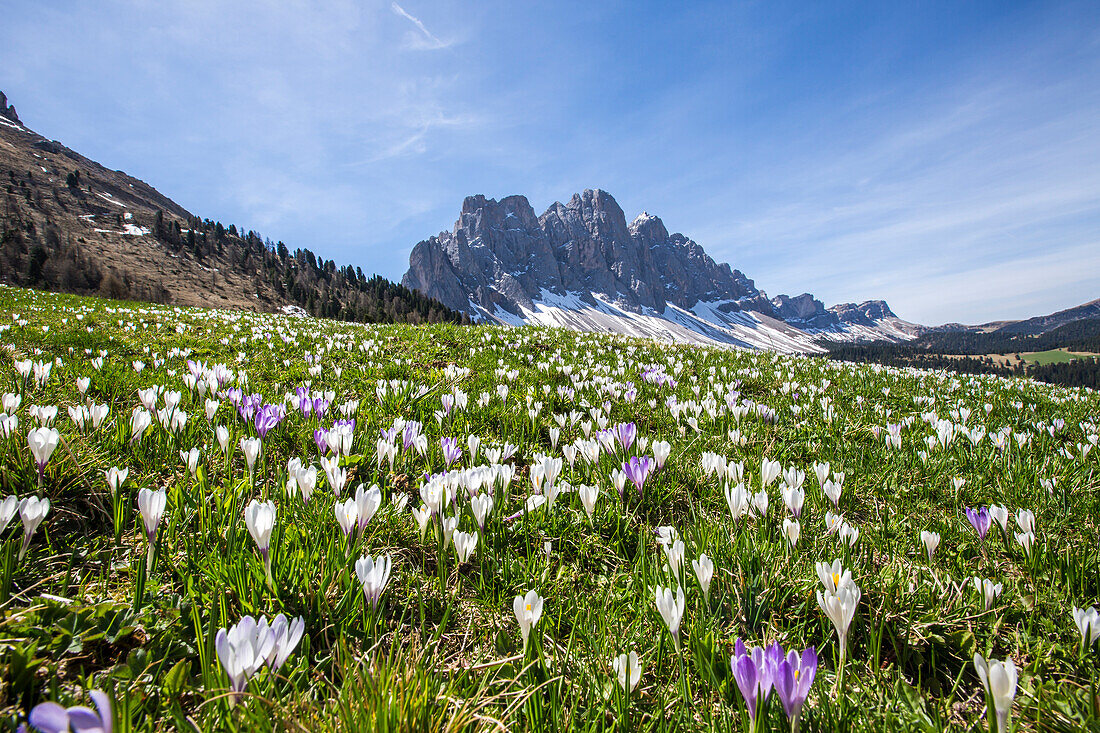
(423, 40)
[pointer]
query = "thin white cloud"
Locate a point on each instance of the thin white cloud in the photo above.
(426, 41)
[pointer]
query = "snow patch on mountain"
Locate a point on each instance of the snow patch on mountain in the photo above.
(580, 265)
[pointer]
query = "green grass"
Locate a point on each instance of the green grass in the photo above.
(443, 649)
(1051, 356)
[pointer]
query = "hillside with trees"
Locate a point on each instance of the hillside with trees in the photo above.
(72, 225)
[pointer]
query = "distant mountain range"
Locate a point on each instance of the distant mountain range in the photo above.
(581, 265)
(1030, 326)
(68, 223)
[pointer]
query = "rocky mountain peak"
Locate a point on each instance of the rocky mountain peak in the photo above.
(866, 313)
(500, 255)
(8, 110)
(804, 308)
(501, 262)
(649, 227)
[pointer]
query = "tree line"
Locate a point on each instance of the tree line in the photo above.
(1083, 372)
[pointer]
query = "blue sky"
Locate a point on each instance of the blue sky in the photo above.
(942, 156)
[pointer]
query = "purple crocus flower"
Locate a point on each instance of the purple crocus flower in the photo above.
(451, 451)
(638, 470)
(793, 678)
(320, 437)
(49, 717)
(267, 418)
(755, 672)
(233, 394)
(625, 432)
(748, 682)
(412, 432)
(979, 520)
(320, 407)
(303, 401)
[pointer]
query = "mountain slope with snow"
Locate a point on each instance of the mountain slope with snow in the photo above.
(582, 266)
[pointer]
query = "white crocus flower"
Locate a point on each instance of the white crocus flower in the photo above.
(588, 495)
(140, 420)
(306, 478)
(481, 505)
(840, 606)
(671, 609)
(999, 514)
(242, 650)
(704, 572)
(1025, 520)
(374, 576)
(8, 507)
(1088, 623)
(793, 498)
(528, 610)
(999, 680)
(191, 460)
(251, 449)
(287, 635)
(661, 451)
(422, 516)
(347, 515)
(988, 589)
(42, 443)
(151, 505)
(464, 543)
(737, 499)
(116, 477)
(259, 517)
(760, 503)
(931, 541)
(769, 471)
(791, 530)
(628, 669)
(367, 502)
(32, 511)
(222, 434)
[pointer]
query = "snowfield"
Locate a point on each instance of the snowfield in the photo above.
(706, 324)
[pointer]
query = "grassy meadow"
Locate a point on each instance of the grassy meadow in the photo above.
(261, 522)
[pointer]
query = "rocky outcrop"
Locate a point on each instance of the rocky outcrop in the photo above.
(804, 309)
(8, 110)
(866, 313)
(501, 255)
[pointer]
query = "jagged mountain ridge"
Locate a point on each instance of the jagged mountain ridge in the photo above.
(581, 265)
(70, 224)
